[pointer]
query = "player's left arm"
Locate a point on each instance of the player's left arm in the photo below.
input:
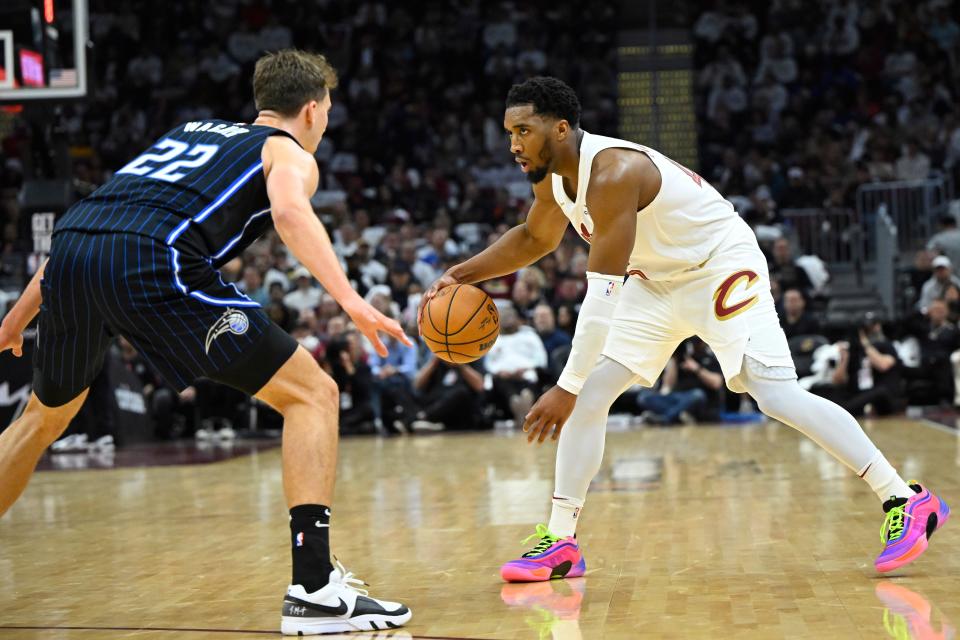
(11, 329)
(616, 184)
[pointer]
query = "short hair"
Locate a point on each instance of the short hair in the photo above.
(286, 80)
(548, 96)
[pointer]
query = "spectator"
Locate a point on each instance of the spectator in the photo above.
(274, 36)
(401, 283)
(690, 387)
(566, 319)
(544, 321)
(939, 283)
(279, 312)
(523, 299)
(307, 337)
(346, 365)
(939, 339)
(252, 285)
(450, 396)
(392, 391)
(345, 240)
(796, 320)
(243, 44)
(913, 164)
(218, 66)
(841, 37)
(513, 362)
(777, 62)
(797, 194)
(440, 245)
(372, 271)
(277, 272)
(718, 71)
(536, 281)
(423, 274)
(947, 240)
(173, 413)
(785, 269)
(867, 374)
(306, 295)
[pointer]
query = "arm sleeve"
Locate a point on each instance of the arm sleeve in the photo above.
(593, 325)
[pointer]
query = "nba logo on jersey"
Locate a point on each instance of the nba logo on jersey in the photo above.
(300, 539)
(609, 291)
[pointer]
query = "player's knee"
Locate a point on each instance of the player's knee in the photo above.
(317, 391)
(45, 423)
(772, 398)
(319, 394)
(593, 402)
(327, 393)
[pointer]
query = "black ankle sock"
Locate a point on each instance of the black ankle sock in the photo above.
(310, 535)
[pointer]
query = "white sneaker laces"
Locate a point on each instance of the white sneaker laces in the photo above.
(348, 580)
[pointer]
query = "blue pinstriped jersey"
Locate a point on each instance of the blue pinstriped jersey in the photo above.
(199, 188)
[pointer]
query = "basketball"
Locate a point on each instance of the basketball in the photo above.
(460, 324)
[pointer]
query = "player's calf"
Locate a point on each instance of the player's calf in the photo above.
(25, 440)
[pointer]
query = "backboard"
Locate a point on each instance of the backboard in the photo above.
(43, 49)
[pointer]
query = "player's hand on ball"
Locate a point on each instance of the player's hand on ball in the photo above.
(550, 413)
(11, 339)
(443, 281)
(370, 322)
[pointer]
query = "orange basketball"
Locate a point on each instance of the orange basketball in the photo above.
(460, 324)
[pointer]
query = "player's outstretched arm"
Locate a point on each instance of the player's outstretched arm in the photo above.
(612, 199)
(11, 329)
(292, 178)
(519, 247)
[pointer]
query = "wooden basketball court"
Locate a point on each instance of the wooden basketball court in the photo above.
(694, 532)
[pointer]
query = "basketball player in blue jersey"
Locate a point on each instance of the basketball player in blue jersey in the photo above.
(139, 258)
(669, 258)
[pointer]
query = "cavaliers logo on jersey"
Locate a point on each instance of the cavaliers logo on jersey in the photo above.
(723, 307)
(584, 230)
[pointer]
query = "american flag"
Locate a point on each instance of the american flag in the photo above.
(63, 77)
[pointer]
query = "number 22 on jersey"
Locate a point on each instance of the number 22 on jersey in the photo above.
(175, 161)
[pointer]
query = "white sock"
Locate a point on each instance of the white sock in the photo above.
(563, 518)
(884, 479)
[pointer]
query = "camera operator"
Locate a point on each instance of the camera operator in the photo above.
(346, 364)
(868, 372)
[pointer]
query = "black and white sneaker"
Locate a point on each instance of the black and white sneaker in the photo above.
(339, 607)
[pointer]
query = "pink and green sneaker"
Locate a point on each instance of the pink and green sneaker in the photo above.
(909, 524)
(552, 558)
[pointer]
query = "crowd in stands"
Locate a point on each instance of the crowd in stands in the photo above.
(799, 103)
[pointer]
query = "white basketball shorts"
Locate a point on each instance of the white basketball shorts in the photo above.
(726, 301)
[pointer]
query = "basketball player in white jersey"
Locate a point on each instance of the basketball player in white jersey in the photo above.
(693, 267)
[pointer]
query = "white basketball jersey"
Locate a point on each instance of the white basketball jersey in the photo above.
(677, 231)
